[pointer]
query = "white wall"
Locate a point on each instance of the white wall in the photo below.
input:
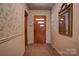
(65, 45)
(30, 21)
(76, 18)
(12, 29)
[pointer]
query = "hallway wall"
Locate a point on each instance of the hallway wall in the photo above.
(12, 29)
(30, 21)
(65, 45)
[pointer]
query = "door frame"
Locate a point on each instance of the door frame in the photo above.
(25, 22)
(45, 26)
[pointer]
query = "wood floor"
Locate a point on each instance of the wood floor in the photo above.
(40, 50)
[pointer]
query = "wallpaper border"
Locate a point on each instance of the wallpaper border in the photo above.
(9, 38)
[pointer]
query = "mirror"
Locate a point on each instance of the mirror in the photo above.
(65, 19)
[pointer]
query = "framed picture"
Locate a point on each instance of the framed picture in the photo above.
(65, 19)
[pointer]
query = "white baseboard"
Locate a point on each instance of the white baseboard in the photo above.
(58, 51)
(22, 53)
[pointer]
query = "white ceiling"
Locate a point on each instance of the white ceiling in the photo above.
(40, 6)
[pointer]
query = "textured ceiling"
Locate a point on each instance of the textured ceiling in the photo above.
(40, 6)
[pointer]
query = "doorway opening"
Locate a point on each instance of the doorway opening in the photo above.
(39, 29)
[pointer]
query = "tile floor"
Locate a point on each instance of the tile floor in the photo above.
(40, 50)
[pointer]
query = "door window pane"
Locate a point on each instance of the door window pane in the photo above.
(40, 22)
(41, 25)
(39, 19)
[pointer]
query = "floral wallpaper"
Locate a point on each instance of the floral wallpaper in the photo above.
(11, 19)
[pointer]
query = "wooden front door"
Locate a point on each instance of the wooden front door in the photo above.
(40, 29)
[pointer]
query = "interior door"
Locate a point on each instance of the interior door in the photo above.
(40, 29)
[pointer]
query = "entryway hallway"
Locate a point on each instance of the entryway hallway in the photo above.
(40, 50)
(24, 25)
